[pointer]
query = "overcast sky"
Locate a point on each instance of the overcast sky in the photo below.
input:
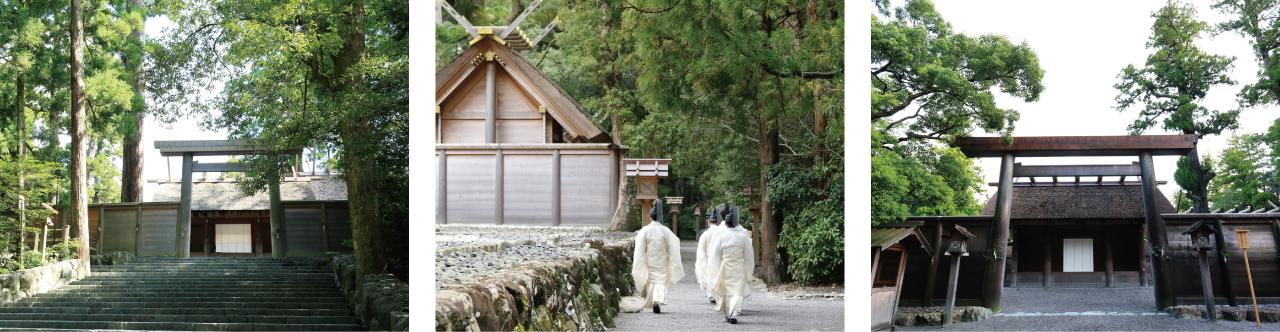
(1082, 48)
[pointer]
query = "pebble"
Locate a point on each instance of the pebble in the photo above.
(469, 253)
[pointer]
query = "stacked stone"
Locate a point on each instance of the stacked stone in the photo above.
(530, 277)
(933, 316)
(1268, 312)
(30, 282)
(381, 301)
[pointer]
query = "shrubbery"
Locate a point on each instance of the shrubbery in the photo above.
(812, 229)
(31, 258)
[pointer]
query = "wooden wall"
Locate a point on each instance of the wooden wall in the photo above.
(1185, 266)
(587, 177)
(972, 268)
(527, 189)
(517, 119)
(155, 233)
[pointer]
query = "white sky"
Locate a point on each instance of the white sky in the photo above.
(1082, 48)
(184, 128)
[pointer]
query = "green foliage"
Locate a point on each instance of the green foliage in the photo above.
(1175, 76)
(813, 233)
(1242, 180)
(1256, 21)
(922, 179)
(949, 77)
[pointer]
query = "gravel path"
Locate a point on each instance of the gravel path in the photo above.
(687, 309)
(1088, 309)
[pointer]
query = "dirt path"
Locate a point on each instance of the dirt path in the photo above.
(687, 309)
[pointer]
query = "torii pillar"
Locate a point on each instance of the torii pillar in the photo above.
(188, 150)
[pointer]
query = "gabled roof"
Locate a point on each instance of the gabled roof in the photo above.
(884, 236)
(1079, 202)
(226, 196)
(563, 108)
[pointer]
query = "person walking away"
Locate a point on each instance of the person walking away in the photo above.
(730, 267)
(656, 266)
(704, 239)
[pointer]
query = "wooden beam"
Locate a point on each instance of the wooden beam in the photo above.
(1076, 170)
(442, 188)
(1077, 146)
(458, 17)
(217, 148)
(555, 188)
(219, 167)
(993, 285)
(1157, 234)
(534, 44)
(182, 245)
(498, 214)
(490, 111)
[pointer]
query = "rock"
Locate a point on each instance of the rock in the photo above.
(1234, 314)
(973, 314)
(931, 318)
(631, 304)
(1185, 312)
(904, 319)
(1268, 314)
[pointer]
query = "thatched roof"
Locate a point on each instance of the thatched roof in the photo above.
(562, 107)
(1079, 202)
(226, 196)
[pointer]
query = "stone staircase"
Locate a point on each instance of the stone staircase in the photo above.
(197, 294)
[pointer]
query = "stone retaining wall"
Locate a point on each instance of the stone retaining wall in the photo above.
(568, 283)
(381, 301)
(932, 316)
(1269, 313)
(23, 283)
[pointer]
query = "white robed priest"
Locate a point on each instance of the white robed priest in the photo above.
(656, 266)
(714, 226)
(730, 264)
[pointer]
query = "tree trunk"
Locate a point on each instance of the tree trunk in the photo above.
(79, 191)
(360, 150)
(626, 199)
(516, 8)
(772, 263)
(131, 175)
(1200, 199)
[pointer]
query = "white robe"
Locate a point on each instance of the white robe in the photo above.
(704, 243)
(730, 265)
(656, 264)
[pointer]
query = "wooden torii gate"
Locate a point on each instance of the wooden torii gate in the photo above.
(1076, 146)
(188, 150)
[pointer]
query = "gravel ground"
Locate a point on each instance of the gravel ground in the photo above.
(1116, 302)
(687, 309)
(498, 247)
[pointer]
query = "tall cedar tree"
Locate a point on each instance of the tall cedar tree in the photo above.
(1176, 76)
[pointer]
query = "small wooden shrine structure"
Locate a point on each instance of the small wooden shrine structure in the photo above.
(512, 147)
(890, 245)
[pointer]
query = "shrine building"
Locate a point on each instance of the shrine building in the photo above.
(514, 148)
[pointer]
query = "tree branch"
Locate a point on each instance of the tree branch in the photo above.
(631, 6)
(808, 75)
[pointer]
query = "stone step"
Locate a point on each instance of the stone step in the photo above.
(317, 293)
(182, 304)
(186, 318)
(173, 326)
(193, 288)
(308, 276)
(206, 299)
(90, 281)
(176, 311)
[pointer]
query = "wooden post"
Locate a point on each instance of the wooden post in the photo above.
(442, 189)
(1144, 265)
(1156, 233)
(951, 290)
(498, 214)
(933, 267)
(102, 220)
(993, 286)
(1243, 239)
(490, 113)
(182, 246)
(1207, 285)
(208, 243)
(1111, 276)
(324, 227)
(137, 232)
(279, 232)
(1220, 245)
(257, 244)
(44, 245)
(555, 187)
(1048, 258)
